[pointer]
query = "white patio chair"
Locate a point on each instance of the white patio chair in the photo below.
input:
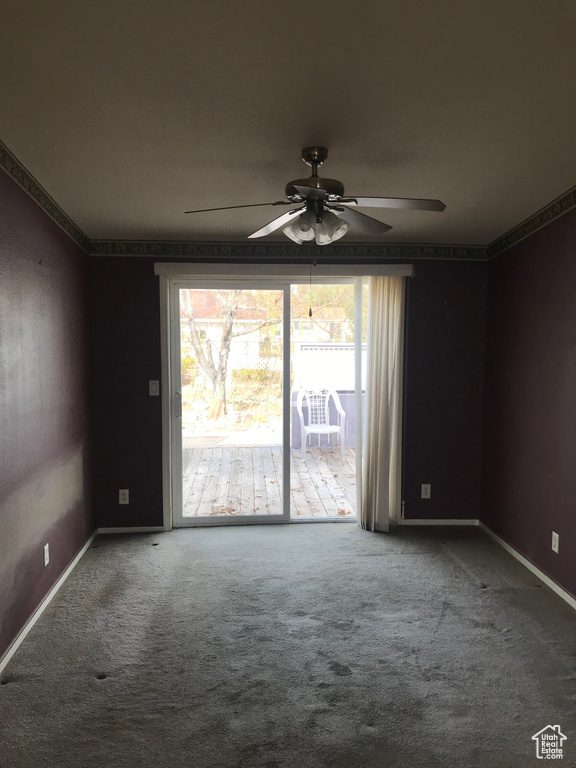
(318, 405)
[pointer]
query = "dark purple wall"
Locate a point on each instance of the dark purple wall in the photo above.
(445, 332)
(529, 475)
(43, 432)
(444, 389)
(127, 422)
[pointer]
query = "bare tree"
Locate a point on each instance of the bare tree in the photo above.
(212, 360)
(333, 305)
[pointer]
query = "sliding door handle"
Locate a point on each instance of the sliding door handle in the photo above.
(178, 404)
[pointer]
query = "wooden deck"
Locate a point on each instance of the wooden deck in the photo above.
(239, 481)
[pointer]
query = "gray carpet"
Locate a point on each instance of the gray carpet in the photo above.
(313, 646)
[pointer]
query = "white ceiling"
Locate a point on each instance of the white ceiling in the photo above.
(130, 112)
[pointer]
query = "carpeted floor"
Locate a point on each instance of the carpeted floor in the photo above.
(312, 646)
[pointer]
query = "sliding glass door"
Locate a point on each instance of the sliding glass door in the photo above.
(267, 400)
(229, 418)
(324, 359)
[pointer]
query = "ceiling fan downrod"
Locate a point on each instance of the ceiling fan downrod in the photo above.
(331, 189)
(314, 157)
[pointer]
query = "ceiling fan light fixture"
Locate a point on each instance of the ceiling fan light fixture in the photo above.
(292, 232)
(302, 228)
(331, 228)
(322, 236)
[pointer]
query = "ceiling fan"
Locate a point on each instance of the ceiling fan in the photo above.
(324, 213)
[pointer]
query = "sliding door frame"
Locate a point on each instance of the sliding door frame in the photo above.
(256, 275)
(262, 284)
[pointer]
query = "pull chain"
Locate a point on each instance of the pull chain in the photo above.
(310, 310)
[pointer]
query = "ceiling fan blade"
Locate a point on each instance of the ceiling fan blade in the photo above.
(311, 193)
(394, 202)
(230, 207)
(281, 221)
(359, 220)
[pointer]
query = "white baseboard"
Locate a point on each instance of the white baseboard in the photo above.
(141, 529)
(531, 567)
(566, 596)
(303, 520)
(43, 605)
(414, 521)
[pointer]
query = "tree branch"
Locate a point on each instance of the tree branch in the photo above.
(253, 330)
(205, 362)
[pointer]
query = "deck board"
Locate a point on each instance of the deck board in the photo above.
(311, 485)
(326, 489)
(247, 482)
(243, 481)
(271, 457)
(200, 476)
(190, 461)
(223, 482)
(209, 497)
(260, 494)
(232, 506)
(343, 479)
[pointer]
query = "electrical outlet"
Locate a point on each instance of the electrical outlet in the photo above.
(555, 541)
(46, 554)
(426, 491)
(124, 496)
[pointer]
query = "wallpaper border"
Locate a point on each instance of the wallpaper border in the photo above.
(25, 180)
(541, 218)
(343, 252)
(368, 252)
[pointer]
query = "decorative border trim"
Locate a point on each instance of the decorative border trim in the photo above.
(44, 604)
(352, 252)
(340, 252)
(25, 180)
(540, 219)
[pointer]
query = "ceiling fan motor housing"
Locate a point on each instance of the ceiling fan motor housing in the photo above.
(334, 189)
(314, 157)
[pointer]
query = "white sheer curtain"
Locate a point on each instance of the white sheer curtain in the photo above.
(382, 433)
